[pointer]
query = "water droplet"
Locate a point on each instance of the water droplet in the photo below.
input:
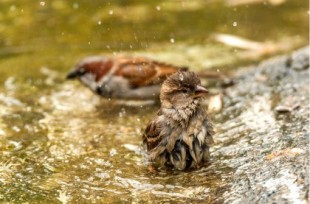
(102, 175)
(42, 3)
(102, 162)
(12, 8)
(122, 113)
(235, 23)
(113, 152)
(158, 8)
(99, 22)
(111, 12)
(89, 42)
(75, 6)
(172, 40)
(10, 84)
(170, 186)
(181, 77)
(2, 133)
(63, 197)
(16, 129)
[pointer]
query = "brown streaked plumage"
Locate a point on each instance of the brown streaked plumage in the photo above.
(181, 133)
(123, 77)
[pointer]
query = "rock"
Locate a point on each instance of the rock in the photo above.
(266, 151)
(285, 153)
(300, 59)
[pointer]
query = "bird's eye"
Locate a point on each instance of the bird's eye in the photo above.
(185, 90)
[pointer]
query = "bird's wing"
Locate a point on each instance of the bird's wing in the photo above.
(210, 131)
(142, 71)
(151, 137)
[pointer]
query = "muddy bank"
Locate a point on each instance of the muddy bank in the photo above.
(264, 138)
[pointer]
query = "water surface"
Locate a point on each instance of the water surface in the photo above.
(61, 143)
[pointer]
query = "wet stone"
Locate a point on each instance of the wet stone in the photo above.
(267, 150)
(300, 59)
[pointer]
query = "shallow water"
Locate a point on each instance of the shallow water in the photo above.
(60, 142)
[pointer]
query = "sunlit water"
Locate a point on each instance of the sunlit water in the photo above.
(60, 142)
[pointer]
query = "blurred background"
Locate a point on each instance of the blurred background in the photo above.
(58, 33)
(60, 143)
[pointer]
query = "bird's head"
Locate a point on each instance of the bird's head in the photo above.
(96, 66)
(181, 89)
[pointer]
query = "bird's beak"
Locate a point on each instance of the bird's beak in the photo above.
(200, 91)
(75, 73)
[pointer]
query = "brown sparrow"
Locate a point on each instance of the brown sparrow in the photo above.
(123, 77)
(181, 133)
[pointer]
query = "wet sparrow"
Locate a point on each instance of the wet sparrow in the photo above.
(123, 77)
(181, 133)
